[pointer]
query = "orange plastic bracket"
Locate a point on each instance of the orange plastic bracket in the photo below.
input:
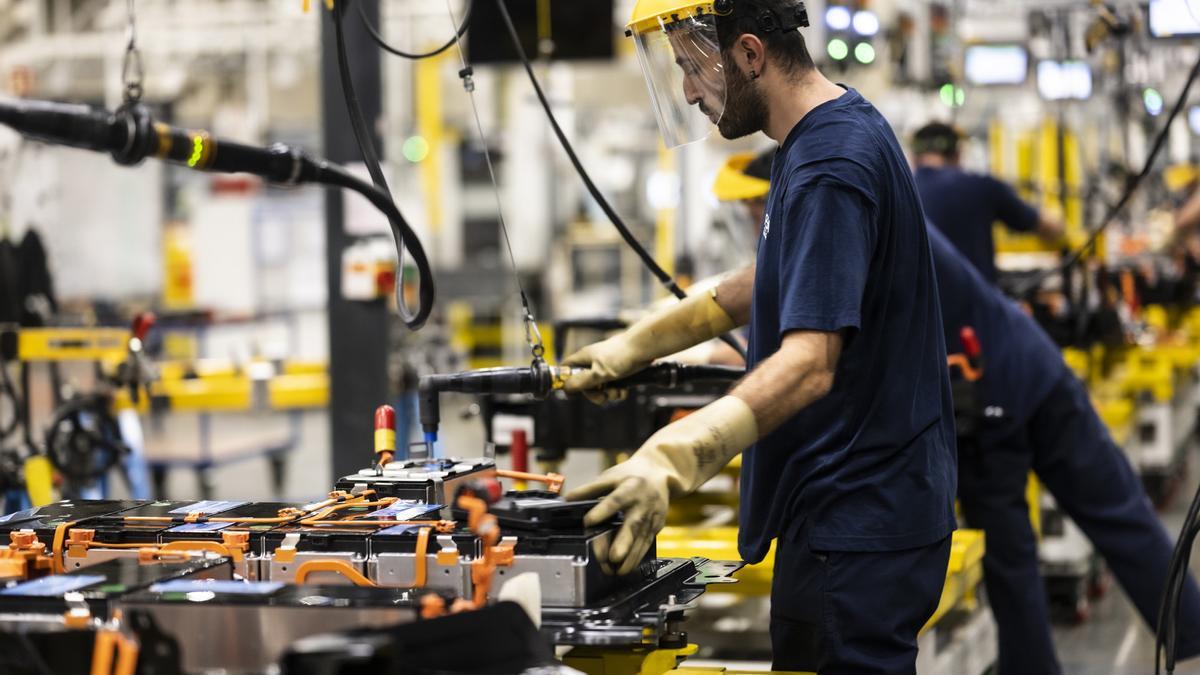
(339, 567)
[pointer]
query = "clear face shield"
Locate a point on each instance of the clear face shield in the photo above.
(680, 58)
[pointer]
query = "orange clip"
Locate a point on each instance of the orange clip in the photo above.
(236, 539)
(502, 553)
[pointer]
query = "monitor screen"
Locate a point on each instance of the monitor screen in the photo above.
(988, 65)
(1064, 80)
(578, 30)
(1174, 18)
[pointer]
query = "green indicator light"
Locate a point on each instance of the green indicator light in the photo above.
(865, 53)
(952, 96)
(415, 149)
(197, 151)
(838, 49)
(1153, 101)
(947, 95)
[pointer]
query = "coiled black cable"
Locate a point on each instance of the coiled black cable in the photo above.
(379, 40)
(623, 229)
(405, 237)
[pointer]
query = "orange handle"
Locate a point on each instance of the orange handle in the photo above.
(340, 567)
(553, 481)
(964, 364)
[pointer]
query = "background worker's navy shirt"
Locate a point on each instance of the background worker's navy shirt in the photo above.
(844, 248)
(966, 205)
(1021, 363)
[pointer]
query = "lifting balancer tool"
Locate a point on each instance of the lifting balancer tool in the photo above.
(540, 380)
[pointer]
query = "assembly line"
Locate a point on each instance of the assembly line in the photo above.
(602, 336)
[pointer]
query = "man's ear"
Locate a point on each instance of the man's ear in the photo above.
(749, 53)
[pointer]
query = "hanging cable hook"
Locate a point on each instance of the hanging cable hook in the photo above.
(533, 335)
(132, 72)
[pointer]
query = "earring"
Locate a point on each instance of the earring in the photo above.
(754, 74)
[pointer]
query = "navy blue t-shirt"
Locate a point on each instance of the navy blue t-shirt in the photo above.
(966, 205)
(1021, 363)
(844, 248)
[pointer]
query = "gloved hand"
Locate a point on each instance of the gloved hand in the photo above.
(690, 321)
(675, 461)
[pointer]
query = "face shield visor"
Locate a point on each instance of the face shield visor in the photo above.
(680, 58)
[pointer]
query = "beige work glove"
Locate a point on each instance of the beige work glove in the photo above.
(690, 321)
(675, 461)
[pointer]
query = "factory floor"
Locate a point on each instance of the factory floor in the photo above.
(1112, 641)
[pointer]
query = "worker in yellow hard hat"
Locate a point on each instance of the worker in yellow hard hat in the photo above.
(743, 182)
(845, 413)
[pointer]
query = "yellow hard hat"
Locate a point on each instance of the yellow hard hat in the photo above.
(647, 14)
(1179, 176)
(732, 183)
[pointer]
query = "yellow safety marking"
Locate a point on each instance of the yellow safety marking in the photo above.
(72, 344)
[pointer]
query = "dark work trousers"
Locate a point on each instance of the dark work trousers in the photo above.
(1067, 445)
(842, 613)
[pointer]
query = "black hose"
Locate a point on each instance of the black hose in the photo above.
(1177, 572)
(382, 197)
(377, 36)
(9, 391)
(330, 173)
(647, 259)
(1130, 190)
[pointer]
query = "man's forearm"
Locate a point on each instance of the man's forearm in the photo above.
(800, 373)
(734, 294)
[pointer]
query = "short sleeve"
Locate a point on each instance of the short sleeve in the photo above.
(826, 246)
(1011, 209)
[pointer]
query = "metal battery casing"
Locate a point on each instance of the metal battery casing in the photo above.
(249, 631)
(433, 481)
(567, 567)
(312, 543)
(550, 541)
(392, 560)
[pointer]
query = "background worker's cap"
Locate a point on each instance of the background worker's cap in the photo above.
(744, 176)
